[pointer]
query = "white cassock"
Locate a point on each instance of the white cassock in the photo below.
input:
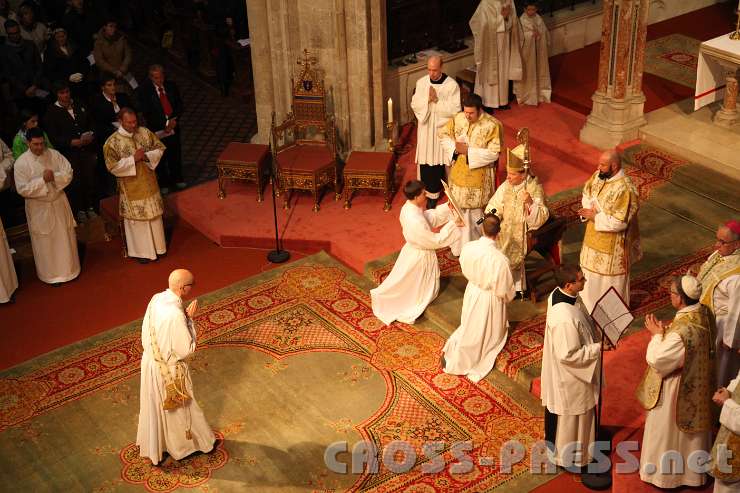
(730, 418)
(570, 377)
(597, 284)
(8, 278)
(431, 117)
(159, 430)
(726, 300)
(413, 282)
(535, 86)
(666, 355)
(496, 51)
(50, 221)
(472, 349)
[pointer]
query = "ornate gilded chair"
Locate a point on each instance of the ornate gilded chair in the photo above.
(303, 145)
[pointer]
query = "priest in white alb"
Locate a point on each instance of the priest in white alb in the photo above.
(720, 280)
(435, 100)
(41, 175)
(413, 282)
(132, 153)
(571, 362)
(612, 240)
(8, 278)
(535, 86)
(676, 389)
(473, 348)
(497, 37)
(170, 419)
(518, 201)
(726, 450)
(471, 140)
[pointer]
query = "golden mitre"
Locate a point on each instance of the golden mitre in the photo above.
(515, 159)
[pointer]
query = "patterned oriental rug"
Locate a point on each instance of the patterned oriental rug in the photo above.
(673, 57)
(289, 362)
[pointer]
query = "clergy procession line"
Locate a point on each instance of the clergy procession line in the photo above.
(687, 358)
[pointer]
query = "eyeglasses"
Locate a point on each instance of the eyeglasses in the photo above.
(674, 292)
(724, 242)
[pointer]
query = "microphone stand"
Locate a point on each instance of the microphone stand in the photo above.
(278, 255)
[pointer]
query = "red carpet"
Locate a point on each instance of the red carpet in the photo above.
(112, 290)
(574, 75)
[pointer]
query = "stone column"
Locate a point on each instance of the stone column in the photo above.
(618, 102)
(345, 36)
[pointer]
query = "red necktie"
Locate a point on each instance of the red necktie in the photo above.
(166, 106)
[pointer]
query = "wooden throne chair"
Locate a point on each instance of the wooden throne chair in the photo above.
(304, 144)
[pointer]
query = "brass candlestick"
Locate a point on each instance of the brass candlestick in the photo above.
(736, 34)
(391, 127)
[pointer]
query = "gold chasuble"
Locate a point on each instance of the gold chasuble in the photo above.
(472, 188)
(731, 442)
(693, 412)
(611, 253)
(715, 270)
(140, 199)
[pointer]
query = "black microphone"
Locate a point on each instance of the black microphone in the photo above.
(492, 212)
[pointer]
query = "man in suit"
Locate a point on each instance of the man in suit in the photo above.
(104, 106)
(161, 105)
(70, 130)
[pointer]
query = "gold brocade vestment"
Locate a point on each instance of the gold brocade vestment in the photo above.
(693, 412)
(715, 270)
(472, 188)
(611, 253)
(510, 209)
(139, 196)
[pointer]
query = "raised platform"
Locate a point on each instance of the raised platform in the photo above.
(692, 135)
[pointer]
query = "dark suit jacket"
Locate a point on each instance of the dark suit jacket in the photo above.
(151, 108)
(62, 128)
(104, 115)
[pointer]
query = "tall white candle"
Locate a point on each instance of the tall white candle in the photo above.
(390, 110)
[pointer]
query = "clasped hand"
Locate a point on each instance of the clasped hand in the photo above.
(192, 308)
(461, 147)
(653, 325)
(139, 155)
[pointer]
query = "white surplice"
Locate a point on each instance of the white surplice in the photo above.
(472, 349)
(726, 301)
(730, 418)
(144, 239)
(535, 86)
(598, 284)
(413, 282)
(570, 376)
(159, 430)
(666, 355)
(50, 221)
(431, 117)
(8, 277)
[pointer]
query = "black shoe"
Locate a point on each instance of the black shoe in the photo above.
(431, 203)
(488, 110)
(505, 107)
(443, 362)
(142, 260)
(56, 284)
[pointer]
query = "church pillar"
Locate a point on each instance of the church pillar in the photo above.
(618, 102)
(347, 38)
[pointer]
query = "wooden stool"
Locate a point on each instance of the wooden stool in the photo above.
(369, 171)
(241, 161)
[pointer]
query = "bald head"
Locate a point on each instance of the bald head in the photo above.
(434, 67)
(727, 240)
(180, 281)
(609, 164)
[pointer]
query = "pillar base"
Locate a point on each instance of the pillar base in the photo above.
(613, 121)
(725, 118)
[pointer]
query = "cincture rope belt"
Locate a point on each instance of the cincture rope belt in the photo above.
(176, 394)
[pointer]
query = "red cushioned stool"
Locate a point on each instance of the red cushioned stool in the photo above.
(241, 161)
(369, 171)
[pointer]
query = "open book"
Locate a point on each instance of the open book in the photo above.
(612, 315)
(457, 210)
